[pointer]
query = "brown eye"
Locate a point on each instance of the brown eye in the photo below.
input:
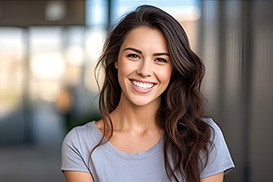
(132, 56)
(161, 60)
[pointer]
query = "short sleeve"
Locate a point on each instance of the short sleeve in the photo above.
(72, 154)
(219, 159)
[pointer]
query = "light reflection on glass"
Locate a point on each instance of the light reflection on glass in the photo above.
(47, 66)
(74, 55)
(11, 69)
(94, 44)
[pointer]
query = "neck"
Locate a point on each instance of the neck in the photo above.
(128, 116)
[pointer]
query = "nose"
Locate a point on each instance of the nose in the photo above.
(145, 68)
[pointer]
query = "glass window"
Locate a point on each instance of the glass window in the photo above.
(11, 69)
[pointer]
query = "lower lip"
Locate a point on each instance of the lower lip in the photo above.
(141, 90)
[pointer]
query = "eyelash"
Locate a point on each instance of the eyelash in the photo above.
(132, 56)
(161, 60)
(135, 56)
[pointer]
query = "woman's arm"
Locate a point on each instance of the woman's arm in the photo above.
(215, 178)
(73, 176)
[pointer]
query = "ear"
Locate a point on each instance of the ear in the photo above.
(172, 73)
(116, 64)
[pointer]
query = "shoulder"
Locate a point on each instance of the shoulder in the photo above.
(77, 146)
(219, 159)
(217, 137)
(211, 122)
(83, 136)
(216, 130)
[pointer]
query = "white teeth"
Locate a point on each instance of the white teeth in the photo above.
(143, 85)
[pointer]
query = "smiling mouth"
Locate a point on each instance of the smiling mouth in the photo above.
(143, 85)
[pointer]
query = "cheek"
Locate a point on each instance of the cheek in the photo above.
(125, 68)
(165, 75)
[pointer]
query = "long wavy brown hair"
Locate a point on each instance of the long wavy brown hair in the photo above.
(181, 111)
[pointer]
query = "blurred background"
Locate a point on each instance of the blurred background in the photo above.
(48, 50)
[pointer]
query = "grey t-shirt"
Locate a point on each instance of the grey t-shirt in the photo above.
(107, 163)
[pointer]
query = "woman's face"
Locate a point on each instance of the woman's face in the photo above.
(144, 66)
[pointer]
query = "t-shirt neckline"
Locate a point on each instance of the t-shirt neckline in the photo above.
(134, 156)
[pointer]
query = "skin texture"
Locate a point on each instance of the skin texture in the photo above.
(72, 176)
(215, 178)
(144, 71)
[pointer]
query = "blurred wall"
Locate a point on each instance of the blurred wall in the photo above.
(237, 46)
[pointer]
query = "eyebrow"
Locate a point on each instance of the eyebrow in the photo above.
(140, 52)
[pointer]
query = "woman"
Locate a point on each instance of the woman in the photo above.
(152, 127)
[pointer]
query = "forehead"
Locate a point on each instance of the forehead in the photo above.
(144, 37)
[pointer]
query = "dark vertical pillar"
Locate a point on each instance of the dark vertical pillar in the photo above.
(109, 14)
(28, 133)
(221, 56)
(246, 83)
